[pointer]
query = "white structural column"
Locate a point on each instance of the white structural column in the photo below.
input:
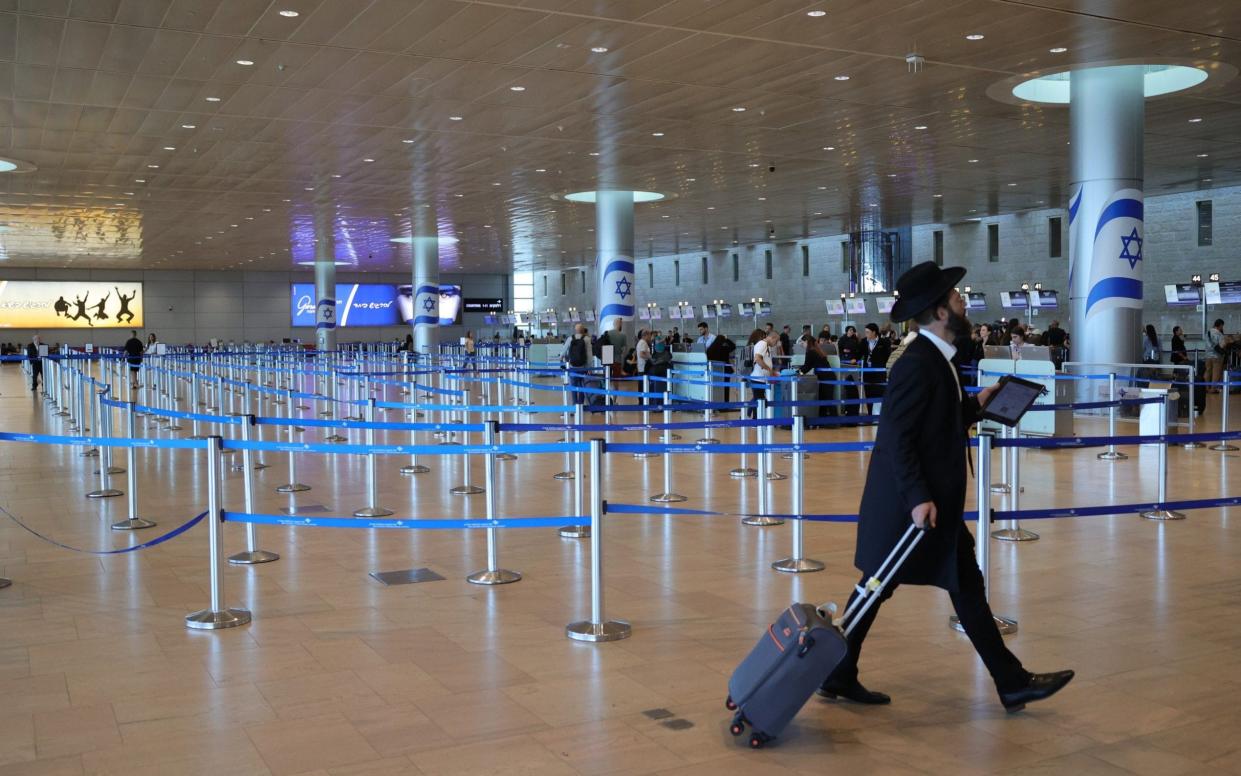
(615, 288)
(325, 286)
(426, 279)
(1107, 112)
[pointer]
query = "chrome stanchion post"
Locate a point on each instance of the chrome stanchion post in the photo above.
(1006, 625)
(292, 486)
(1111, 453)
(577, 531)
(372, 508)
(797, 562)
(217, 616)
(1160, 512)
(493, 574)
(195, 404)
(134, 522)
(500, 415)
(1223, 445)
(1014, 532)
(567, 473)
(764, 478)
(253, 554)
(769, 432)
(667, 496)
(105, 430)
(1002, 485)
(467, 488)
(646, 420)
(104, 490)
(597, 628)
(743, 470)
(1192, 412)
(413, 467)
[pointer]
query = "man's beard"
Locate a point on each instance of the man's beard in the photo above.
(959, 325)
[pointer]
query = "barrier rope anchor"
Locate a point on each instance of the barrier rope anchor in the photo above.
(597, 629)
(218, 616)
(1006, 625)
(493, 574)
(797, 563)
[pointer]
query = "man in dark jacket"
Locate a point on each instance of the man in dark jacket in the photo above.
(874, 355)
(917, 473)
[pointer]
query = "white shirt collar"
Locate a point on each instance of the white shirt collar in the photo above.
(944, 347)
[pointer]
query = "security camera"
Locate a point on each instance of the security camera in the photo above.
(772, 168)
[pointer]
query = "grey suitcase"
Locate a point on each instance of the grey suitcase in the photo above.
(798, 652)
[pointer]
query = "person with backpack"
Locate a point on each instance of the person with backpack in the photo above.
(577, 359)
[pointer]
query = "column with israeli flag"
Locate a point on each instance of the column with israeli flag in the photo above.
(426, 277)
(614, 268)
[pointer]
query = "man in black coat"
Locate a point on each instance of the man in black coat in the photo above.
(917, 473)
(874, 355)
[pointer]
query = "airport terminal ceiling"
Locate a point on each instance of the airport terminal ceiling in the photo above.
(231, 134)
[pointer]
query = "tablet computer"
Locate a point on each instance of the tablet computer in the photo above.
(1011, 400)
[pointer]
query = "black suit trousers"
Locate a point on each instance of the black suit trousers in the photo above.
(970, 603)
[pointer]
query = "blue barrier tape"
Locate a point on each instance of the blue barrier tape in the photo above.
(720, 449)
(294, 521)
(377, 425)
(174, 533)
(347, 449)
(1116, 509)
(80, 441)
(1061, 442)
(604, 427)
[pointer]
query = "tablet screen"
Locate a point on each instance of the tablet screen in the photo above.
(1011, 400)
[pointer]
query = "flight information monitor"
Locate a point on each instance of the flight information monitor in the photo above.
(975, 300)
(1182, 294)
(1044, 299)
(1014, 300)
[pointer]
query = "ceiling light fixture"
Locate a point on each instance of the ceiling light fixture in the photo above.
(140, 180)
(407, 141)
(816, 14)
(289, 14)
(188, 126)
(589, 196)
(1203, 156)
(368, 160)
(1195, 120)
(842, 78)
(657, 134)
(170, 148)
(973, 161)
(1055, 88)
(540, 169)
(1058, 50)
(517, 88)
(153, 166)
(245, 62)
(920, 126)
(599, 49)
(213, 99)
(454, 118)
(974, 36)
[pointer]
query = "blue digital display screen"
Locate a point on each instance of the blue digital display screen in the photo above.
(371, 304)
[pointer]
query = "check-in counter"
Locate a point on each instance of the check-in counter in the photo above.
(1057, 423)
(543, 352)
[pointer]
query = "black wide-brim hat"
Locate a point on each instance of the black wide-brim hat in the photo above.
(922, 286)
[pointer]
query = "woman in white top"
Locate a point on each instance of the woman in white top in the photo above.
(765, 347)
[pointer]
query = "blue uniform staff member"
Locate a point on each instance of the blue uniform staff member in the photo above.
(917, 472)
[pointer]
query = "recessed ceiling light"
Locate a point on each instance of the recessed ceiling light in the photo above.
(540, 169)
(937, 196)
(738, 109)
(1203, 156)
(153, 166)
(245, 62)
(454, 118)
(335, 175)
(690, 180)
(1195, 120)
(213, 99)
(920, 126)
(842, 78)
(170, 148)
(1058, 50)
(752, 164)
(140, 180)
(1012, 184)
(289, 14)
(309, 188)
(657, 134)
(594, 153)
(496, 183)
(599, 49)
(407, 141)
(829, 148)
(975, 36)
(712, 207)
(816, 14)
(973, 161)
(486, 226)
(1207, 180)
(188, 126)
(368, 160)
(458, 196)
(128, 193)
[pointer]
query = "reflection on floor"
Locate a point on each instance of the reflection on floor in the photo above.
(339, 674)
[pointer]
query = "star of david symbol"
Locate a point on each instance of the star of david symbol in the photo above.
(428, 304)
(1127, 252)
(622, 287)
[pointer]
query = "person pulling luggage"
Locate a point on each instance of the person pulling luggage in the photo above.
(917, 473)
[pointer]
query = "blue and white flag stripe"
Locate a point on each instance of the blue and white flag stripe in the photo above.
(427, 306)
(615, 295)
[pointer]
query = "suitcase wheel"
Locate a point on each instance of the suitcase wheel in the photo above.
(730, 704)
(757, 741)
(736, 728)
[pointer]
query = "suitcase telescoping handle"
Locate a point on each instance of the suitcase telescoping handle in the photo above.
(870, 592)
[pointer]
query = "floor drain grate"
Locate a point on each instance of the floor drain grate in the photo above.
(657, 713)
(406, 576)
(306, 509)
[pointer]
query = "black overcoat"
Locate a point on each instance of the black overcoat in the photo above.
(920, 455)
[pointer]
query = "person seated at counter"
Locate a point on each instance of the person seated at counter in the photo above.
(816, 364)
(1017, 339)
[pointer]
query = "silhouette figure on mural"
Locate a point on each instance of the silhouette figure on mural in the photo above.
(100, 315)
(121, 315)
(61, 307)
(81, 311)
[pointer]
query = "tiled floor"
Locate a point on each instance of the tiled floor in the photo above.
(338, 674)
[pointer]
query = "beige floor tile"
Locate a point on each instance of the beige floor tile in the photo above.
(468, 716)
(75, 730)
(60, 766)
(603, 696)
(305, 744)
(609, 747)
(518, 756)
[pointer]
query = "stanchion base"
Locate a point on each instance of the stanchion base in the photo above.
(1014, 535)
(1006, 625)
(133, 524)
(1000, 487)
(4, 582)
(612, 630)
(292, 487)
(1163, 514)
(575, 532)
(196, 437)
(91, 453)
(113, 470)
(789, 456)
(172, 427)
(675, 437)
(493, 577)
(209, 620)
(104, 493)
(563, 476)
(1112, 455)
(335, 438)
(260, 465)
(798, 565)
(743, 472)
(707, 441)
(252, 557)
(646, 455)
(1192, 445)
(1224, 448)
(373, 512)
(466, 490)
(761, 521)
(776, 476)
(505, 457)
(668, 498)
(415, 469)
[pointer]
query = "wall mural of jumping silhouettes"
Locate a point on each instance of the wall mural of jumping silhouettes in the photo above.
(56, 304)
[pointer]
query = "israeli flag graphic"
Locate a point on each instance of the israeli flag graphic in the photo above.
(615, 295)
(427, 306)
(1115, 240)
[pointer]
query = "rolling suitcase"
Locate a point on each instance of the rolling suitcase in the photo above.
(798, 652)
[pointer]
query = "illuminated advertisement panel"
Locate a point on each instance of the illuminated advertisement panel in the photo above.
(69, 304)
(371, 304)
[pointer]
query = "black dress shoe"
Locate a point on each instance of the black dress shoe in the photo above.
(1039, 687)
(853, 691)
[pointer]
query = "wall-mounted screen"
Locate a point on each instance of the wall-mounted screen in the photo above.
(70, 304)
(884, 304)
(724, 310)
(590, 316)
(575, 316)
(656, 313)
(372, 304)
(975, 300)
(475, 304)
(1223, 292)
(1014, 300)
(764, 309)
(747, 309)
(674, 312)
(855, 306)
(1044, 299)
(644, 313)
(708, 311)
(1184, 294)
(835, 307)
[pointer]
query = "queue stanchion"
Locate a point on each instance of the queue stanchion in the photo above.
(195, 404)
(93, 410)
(292, 383)
(707, 439)
(413, 467)
(1160, 512)
(769, 433)
(250, 390)
(1192, 411)
(105, 429)
(493, 574)
(567, 473)
(670, 436)
(372, 508)
(798, 563)
(597, 628)
(743, 470)
(646, 420)
(1223, 446)
(1002, 486)
(133, 522)
(577, 531)
(1014, 532)
(292, 486)
(1006, 625)
(667, 496)
(61, 403)
(1111, 453)
(252, 554)
(565, 379)
(105, 490)
(218, 616)
(468, 488)
(170, 401)
(762, 519)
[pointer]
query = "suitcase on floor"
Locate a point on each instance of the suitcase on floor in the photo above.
(797, 653)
